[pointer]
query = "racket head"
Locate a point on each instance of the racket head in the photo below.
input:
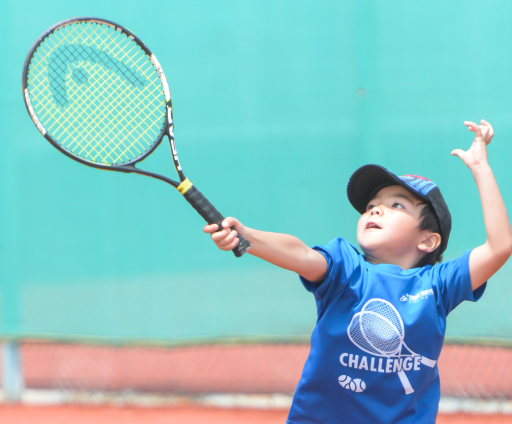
(97, 93)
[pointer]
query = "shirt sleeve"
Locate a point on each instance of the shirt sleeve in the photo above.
(452, 283)
(342, 260)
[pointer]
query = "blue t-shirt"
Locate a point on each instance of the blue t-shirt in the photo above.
(379, 333)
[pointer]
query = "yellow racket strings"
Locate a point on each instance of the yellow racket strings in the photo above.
(97, 93)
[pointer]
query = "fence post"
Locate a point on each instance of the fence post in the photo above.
(12, 375)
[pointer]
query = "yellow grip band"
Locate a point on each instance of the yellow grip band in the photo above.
(184, 186)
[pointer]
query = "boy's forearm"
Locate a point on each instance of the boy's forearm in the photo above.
(497, 223)
(287, 252)
(487, 259)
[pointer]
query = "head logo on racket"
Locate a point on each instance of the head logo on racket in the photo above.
(70, 58)
(379, 330)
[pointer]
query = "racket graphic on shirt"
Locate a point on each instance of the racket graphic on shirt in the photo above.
(98, 94)
(379, 330)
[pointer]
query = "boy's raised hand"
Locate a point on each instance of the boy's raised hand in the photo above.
(477, 153)
(488, 258)
(227, 238)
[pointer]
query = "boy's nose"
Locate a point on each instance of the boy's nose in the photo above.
(376, 211)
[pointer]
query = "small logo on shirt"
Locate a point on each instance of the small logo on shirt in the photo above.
(417, 297)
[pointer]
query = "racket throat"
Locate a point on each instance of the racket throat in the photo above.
(175, 157)
(170, 134)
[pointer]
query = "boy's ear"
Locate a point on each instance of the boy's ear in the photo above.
(430, 242)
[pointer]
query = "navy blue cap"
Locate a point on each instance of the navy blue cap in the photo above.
(369, 179)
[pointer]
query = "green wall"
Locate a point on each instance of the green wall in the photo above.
(276, 104)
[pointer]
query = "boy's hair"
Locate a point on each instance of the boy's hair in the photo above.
(429, 221)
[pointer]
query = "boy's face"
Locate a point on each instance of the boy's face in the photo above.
(388, 231)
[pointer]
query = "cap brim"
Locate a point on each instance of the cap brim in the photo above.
(367, 180)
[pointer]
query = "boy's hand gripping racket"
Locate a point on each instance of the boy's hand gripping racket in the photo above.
(98, 94)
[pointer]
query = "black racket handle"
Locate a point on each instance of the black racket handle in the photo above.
(212, 216)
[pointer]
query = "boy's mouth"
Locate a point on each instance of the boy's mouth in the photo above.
(371, 225)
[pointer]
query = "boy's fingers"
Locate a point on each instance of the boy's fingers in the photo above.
(491, 129)
(474, 127)
(210, 228)
(228, 240)
(231, 245)
(234, 244)
(218, 236)
(470, 124)
(230, 222)
(484, 122)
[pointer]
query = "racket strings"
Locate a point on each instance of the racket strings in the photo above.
(380, 333)
(97, 93)
(386, 310)
(92, 131)
(356, 335)
(109, 117)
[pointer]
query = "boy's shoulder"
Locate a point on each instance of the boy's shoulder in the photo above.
(341, 244)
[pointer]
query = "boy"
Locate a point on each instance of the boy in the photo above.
(382, 316)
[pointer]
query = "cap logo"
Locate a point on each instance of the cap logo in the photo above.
(420, 184)
(417, 176)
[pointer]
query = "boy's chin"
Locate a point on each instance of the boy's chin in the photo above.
(367, 251)
(371, 246)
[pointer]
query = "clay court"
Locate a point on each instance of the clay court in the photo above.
(180, 415)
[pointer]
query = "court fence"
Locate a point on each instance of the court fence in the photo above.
(77, 372)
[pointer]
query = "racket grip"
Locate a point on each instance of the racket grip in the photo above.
(211, 215)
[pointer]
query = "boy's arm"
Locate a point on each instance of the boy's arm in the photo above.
(283, 250)
(488, 258)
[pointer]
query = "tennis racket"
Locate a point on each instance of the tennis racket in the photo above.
(99, 95)
(379, 330)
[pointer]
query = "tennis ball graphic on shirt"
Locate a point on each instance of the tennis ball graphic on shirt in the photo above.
(344, 381)
(357, 385)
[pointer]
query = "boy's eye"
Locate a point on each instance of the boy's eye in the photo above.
(369, 207)
(398, 205)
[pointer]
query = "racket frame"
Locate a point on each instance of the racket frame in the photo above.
(129, 166)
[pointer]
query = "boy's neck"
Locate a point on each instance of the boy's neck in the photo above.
(403, 262)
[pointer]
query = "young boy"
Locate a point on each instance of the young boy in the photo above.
(382, 315)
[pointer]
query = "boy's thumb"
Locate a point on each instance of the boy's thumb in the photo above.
(229, 222)
(457, 152)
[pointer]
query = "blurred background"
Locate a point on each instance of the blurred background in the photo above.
(108, 285)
